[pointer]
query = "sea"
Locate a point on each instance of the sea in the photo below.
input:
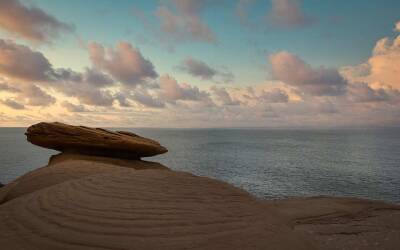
(268, 163)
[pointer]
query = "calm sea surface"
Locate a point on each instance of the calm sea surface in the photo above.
(267, 163)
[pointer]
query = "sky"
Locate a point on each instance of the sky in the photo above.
(200, 63)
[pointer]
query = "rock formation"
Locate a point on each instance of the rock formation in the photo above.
(92, 141)
(98, 194)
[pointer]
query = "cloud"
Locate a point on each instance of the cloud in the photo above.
(90, 76)
(186, 24)
(125, 63)
(143, 97)
(397, 26)
(12, 104)
(22, 63)
(198, 68)
(274, 96)
(86, 93)
(292, 70)
(203, 71)
(171, 91)
(122, 100)
(29, 22)
(32, 95)
(73, 107)
(384, 63)
(97, 78)
(19, 62)
(224, 97)
(382, 67)
(287, 14)
(362, 92)
(89, 87)
(7, 88)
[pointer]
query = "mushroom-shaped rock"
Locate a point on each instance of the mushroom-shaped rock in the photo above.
(92, 141)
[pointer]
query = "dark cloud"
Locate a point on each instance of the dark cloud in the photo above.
(223, 96)
(97, 78)
(125, 63)
(86, 93)
(122, 100)
(362, 92)
(67, 75)
(293, 71)
(12, 104)
(22, 63)
(274, 96)
(144, 98)
(29, 22)
(202, 70)
(198, 68)
(91, 77)
(88, 87)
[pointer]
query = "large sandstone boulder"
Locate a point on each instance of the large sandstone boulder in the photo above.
(92, 141)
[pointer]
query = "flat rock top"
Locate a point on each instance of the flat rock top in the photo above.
(92, 141)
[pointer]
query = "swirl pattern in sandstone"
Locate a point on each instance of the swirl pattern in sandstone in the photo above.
(64, 167)
(147, 209)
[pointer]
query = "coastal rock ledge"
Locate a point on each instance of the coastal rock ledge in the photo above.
(98, 194)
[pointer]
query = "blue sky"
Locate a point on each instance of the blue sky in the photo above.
(343, 33)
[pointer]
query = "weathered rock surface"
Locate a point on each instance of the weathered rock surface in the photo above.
(146, 209)
(81, 200)
(64, 167)
(342, 223)
(92, 141)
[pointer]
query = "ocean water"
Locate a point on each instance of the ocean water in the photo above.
(267, 163)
